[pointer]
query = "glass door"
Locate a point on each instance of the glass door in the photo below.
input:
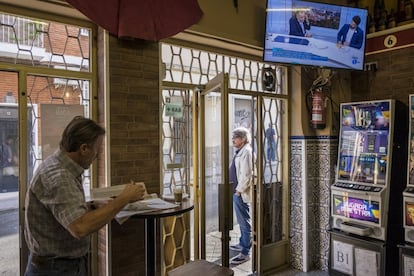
(214, 156)
(9, 174)
(272, 244)
(265, 116)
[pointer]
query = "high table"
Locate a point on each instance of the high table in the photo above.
(150, 229)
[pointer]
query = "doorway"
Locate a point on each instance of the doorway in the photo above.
(203, 125)
(222, 110)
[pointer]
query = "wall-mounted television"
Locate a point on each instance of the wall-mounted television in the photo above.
(316, 34)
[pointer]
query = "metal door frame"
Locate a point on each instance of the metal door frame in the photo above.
(260, 259)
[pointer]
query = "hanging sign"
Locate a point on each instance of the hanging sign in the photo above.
(174, 107)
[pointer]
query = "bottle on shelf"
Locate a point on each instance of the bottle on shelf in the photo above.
(401, 11)
(391, 19)
(408, 9)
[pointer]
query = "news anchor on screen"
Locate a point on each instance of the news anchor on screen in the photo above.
(351, 35)
(299, 24)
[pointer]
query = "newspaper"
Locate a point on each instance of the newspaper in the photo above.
(150, 203)
(143, 206)
(106, 193)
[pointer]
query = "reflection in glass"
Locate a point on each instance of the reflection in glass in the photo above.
(272, 208)
(9, 172)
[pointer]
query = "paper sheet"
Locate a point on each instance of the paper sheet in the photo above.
(111, 192)
(143, 206)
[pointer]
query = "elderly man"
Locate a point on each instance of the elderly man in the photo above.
(299, 24)
(58, 221)
(241, 174)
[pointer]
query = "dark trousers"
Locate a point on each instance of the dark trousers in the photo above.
(49, 266)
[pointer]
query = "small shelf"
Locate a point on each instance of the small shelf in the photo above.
(406, 25)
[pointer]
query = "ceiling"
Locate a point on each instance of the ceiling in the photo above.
(60, 7)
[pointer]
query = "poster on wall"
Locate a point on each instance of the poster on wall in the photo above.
(242, 113)
(366, 263)
(54, 118)
(342, 257)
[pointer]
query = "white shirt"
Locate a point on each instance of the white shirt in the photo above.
(349, 35)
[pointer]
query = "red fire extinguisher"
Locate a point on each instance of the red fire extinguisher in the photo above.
(318, 109)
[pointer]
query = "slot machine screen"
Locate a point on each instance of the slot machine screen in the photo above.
(356, 208)
(364, 142)
(409, 213)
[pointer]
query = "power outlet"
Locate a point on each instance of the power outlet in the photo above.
(371, 66)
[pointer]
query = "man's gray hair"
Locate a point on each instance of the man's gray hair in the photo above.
(243, 133)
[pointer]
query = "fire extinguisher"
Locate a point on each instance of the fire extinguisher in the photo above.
(318, 109)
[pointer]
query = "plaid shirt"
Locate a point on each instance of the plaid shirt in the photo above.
(54, 200)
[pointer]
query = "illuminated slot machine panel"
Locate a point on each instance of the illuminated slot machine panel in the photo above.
(409, 215)
(360, 194)
(408, 194)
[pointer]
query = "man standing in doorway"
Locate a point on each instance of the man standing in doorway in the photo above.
(58, 221)
(241, 174)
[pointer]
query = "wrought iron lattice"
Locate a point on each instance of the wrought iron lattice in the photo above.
(185, 65)
(272, 110)
(59, 47)
(44, 90)
(43, 43)
(191, 66)
(176, 139)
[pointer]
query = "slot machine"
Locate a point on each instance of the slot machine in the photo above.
(364, 197)
(407, 248)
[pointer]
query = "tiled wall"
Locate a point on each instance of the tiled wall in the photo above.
(313, 162)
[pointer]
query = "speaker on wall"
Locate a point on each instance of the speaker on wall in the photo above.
(268, 79)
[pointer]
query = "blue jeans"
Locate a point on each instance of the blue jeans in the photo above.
(243, 218)
(44, 266)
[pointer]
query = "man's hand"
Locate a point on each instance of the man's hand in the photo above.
(133, 192)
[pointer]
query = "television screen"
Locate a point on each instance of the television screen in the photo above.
(317, 34)
(409, 213)
(356, 208)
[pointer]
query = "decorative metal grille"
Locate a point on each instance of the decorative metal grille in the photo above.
(176, 140)
(196, 67)
(43, 43)
(50, 90)
(184, 65)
